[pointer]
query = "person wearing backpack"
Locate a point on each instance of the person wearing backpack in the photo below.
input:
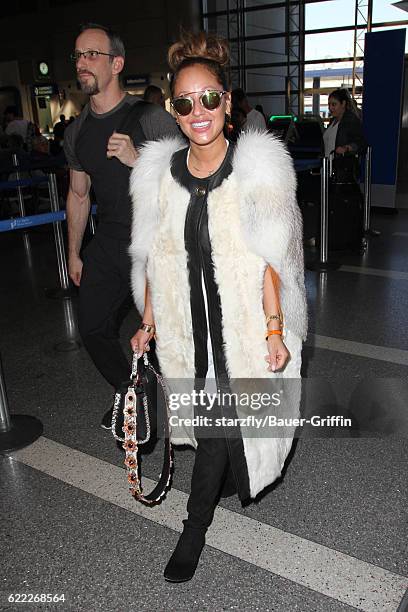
(101, 148)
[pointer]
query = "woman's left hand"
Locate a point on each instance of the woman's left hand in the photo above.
(278, 353)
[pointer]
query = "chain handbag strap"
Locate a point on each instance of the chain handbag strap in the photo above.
(132, 390)
(131, 442)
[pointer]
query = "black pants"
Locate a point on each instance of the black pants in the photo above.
(104, 300)
(210, 470)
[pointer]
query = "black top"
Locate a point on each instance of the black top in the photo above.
(85, 149)
(200, 263)
(350, 132)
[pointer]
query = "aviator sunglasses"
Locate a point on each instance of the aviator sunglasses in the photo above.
(210, 99)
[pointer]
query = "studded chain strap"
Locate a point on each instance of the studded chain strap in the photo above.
(130, 441)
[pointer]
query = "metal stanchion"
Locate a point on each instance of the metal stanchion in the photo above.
(71, 343)
(21, 207)
(17, 430)
(323, 265)
(324, 215)
(367, 190)
(65, 291)
(20, 196)
(367, 195)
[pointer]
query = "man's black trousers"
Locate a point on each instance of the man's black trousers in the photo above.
(104, 300)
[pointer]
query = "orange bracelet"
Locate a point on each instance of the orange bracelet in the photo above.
(273, 332)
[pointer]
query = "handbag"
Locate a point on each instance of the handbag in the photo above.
(345, 169)
(139, 401)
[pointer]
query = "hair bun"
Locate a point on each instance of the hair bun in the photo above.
(201, 45)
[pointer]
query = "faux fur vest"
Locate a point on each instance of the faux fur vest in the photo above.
(253, 221)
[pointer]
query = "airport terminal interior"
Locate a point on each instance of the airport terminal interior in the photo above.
(331, 534)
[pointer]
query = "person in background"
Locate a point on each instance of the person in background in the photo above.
(41, 147)
(15, 143)
(15, 124)
(154, 95)
(101, 148)
(59, 129)
(344, 135)
(260, 109)
(237, 123)
(254, 119)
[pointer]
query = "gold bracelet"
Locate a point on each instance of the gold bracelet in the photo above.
(146, 327)
(273, 317)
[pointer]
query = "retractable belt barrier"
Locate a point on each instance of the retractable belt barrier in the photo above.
(56, 216)
(31, 221)
(17, 223)
(23, 182)
(17, 431)
(306, 164)
(323, 264)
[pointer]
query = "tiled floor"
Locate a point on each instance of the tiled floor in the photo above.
(331, 535)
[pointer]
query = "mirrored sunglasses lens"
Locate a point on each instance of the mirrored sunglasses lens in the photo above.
(182, 106)
(211, 100)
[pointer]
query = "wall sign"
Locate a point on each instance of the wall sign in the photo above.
(45, 90)
(136, 80)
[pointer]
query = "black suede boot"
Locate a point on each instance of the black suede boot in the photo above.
(184, 560)
(210, 466)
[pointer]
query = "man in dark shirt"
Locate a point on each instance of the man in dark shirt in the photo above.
(100, 154)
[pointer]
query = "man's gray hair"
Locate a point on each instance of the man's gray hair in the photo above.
(116, 46)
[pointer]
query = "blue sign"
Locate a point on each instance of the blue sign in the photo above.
(383, 84)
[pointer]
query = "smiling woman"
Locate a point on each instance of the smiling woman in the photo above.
(217, 237)
(201, 100)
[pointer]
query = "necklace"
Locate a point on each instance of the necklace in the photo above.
(207, 172)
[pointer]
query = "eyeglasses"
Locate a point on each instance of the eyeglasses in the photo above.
(210, 99)
(91, 54)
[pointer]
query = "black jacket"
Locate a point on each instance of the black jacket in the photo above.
(350, 132)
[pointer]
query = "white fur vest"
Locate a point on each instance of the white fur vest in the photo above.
(253, 221)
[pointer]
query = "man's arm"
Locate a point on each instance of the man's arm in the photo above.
(78, 205)
(155, 122)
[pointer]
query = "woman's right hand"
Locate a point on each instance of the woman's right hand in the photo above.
(140, 342)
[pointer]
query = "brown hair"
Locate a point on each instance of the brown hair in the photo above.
(343, 95)
(208, 50)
